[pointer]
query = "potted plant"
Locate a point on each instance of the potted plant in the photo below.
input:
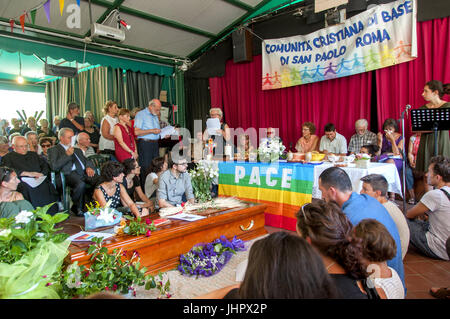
(32, 251)
(112, 272)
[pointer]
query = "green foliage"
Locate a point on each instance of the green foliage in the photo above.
(136, 227)
(108, 271)
(23, 232)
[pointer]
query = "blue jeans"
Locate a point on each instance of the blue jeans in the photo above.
(417, 230)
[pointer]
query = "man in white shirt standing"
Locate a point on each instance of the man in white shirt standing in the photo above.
(430, 236)
(333, 143)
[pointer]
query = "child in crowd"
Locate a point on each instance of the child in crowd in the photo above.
(379, 247)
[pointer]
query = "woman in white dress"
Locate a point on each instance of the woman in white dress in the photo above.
(106, 143)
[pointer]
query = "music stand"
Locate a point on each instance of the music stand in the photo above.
(431, 120)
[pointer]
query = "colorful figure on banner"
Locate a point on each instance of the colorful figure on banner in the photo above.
(295, 77)
(276, 81)
(286, 77)
(306, 77)
(210, 149)
(317, 76)
(404, 52)
(330, 73)
(358, 65)
(267, 84)
(342, 69)
(372, 61)
(387, 57)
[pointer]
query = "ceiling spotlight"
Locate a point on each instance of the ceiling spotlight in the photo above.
(184, 67)
(20, 79)
(126, 25)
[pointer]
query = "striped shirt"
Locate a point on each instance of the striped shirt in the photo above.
(357, 141)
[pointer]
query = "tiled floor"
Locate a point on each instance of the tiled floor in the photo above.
(421, 273)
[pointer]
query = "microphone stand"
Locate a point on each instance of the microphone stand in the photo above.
(402, 117)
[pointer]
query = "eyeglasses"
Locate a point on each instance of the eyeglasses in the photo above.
(45, 145)
(303, 211)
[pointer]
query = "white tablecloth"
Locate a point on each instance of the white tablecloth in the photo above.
(388, 170)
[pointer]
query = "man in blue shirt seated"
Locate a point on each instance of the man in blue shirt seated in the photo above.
(335, 185)
(175, 184)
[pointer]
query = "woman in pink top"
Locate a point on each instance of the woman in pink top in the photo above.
(308, 142)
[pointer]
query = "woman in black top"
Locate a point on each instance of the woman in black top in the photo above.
(132, 184)
(328, 229)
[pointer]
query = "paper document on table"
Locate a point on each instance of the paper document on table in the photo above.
(186, 217)
(34, 182)
(168, 131)
(212, 125)
(88, 236)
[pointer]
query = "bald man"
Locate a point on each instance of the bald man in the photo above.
(83, 143)
(28, 164)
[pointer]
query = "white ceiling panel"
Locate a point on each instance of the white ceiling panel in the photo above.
(208, 15)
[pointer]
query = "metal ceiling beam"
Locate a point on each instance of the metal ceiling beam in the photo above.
(239, 4)
(156, 19)
(113, 6)
(194, 55)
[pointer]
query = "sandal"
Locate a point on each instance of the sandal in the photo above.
(441, 293)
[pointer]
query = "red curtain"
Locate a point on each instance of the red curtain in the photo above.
(402, 84)
(341, 101)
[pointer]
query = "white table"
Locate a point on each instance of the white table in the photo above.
(388, 170)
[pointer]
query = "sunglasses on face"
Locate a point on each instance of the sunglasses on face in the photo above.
(45, 145)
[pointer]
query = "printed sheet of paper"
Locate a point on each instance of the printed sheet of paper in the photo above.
(87, 236)
(212, 125)
(186, 217)
(33, 182)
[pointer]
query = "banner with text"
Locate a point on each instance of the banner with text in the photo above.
(380, 37)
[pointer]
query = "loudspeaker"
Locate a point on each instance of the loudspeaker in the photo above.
(242, 46)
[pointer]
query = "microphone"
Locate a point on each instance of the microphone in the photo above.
(408, 107)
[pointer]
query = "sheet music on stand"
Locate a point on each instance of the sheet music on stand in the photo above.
(426, 119)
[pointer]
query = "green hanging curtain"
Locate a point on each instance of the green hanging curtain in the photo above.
(180, 98)
(141, 88)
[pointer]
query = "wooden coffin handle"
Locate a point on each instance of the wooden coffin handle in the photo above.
(250, 226)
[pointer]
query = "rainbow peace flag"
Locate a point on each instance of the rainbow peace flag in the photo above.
(283, 187)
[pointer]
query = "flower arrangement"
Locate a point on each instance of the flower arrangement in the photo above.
(362, 160)
(32, 251)
(109, 272)
(137, 228)
(208, 259)
(98, 216)
(25, 231)
(271, 150)
(202, 177)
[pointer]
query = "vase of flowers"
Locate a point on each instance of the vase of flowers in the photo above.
(119, 272)
(202, 177)
(97, 216)
(362, 160)
(270, 150)
(32, 252)
(208, 259)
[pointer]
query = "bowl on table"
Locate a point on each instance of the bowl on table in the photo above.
(317, 157)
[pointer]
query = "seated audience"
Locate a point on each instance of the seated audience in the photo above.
(429, 236)
(92, 131)
(4, 127)
(391, 148)
(44, 130)
(84, 144)
(16, 127)
(362, 137)
(124, 138)
(159, 165)
(28, 164)
(444, 292)
(56, 123)
(78, 170)
(328, 230)
(112, 190)
(4, 146)
(309, 142)
(333, 143)
(90, 116)
(30, 126)
(336, 186)
(45, 143)
(72, 119)
(106, 142)
(376, 185)
(281, 266)
(33, 141)
(378, 247)
(175, 185)
(11, 137)
(11, 201)
(132, 183)
(372, 150)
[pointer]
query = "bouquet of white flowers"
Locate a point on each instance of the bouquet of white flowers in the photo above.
(270, 150)
(202, 177)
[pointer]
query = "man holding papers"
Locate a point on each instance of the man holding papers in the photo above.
(32, 171)
(175, 184)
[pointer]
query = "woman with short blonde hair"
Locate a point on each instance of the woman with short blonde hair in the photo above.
(106, 142)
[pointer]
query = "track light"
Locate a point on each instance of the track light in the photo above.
(126, 25)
